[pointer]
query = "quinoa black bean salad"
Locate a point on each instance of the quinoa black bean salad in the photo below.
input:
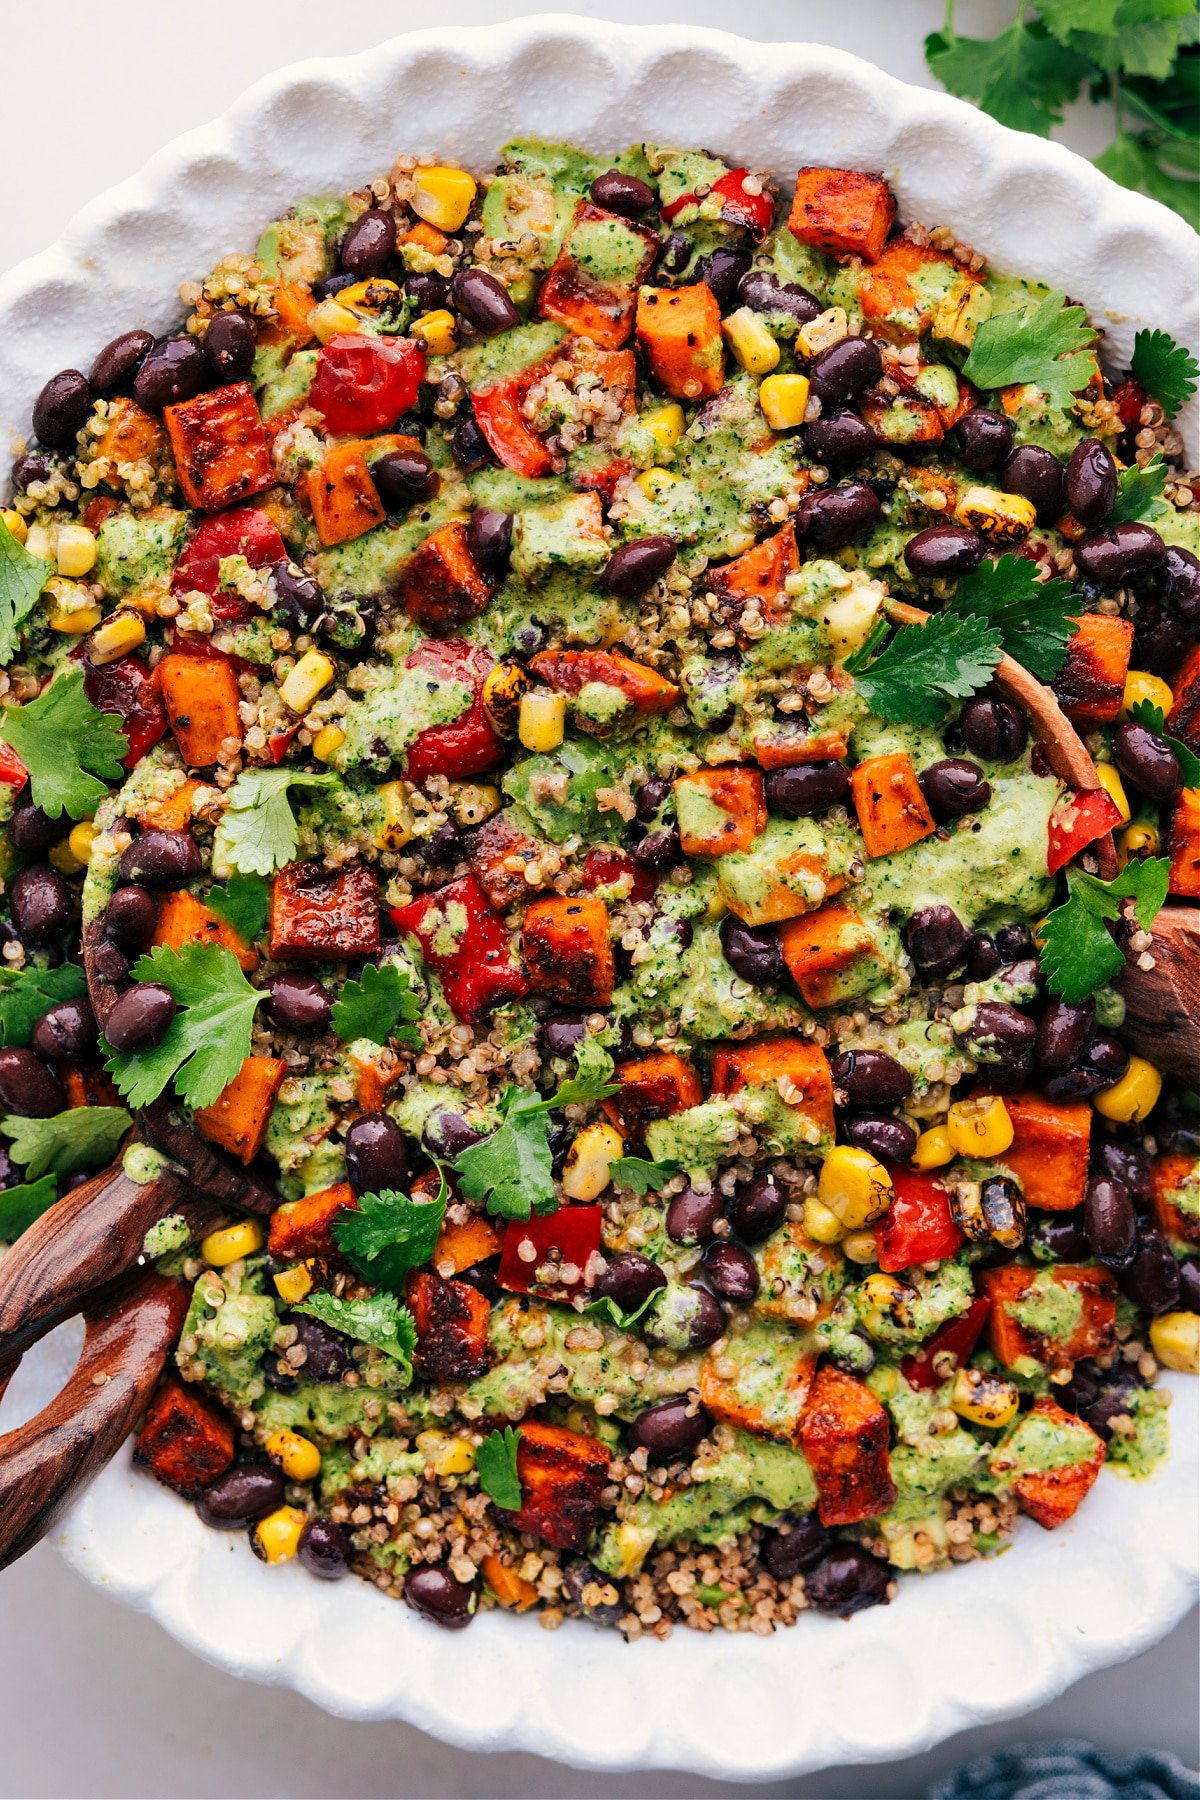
(455, 678)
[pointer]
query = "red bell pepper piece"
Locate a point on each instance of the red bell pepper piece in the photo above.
(465, 942)
(570, 1237)
(1080, 817)
(509, 435)
(13, 772)
(363, 384)
(127, 688)
(606, 865)
(956, 1338)
(755, 212)
(917, 1227)
(280, 742)
(1129, 400)
(468, 745)
(242, 531)
(602, 478)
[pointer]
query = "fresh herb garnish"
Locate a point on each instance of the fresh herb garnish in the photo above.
(259, 833)
(1138, 493)
(1022, 77)
(641, 1176)
(208, 1039)
(607, 1308)
(592, 1079)
(1166, 370)
(70, 749)
(1078, 954)
(83, 1137)
(378, 1320)
(925, 668)
(380, 1005)
(389, 1235)
(1144, 712)
(22, 578)
(1031, 616)
(496, 1466)
(512, 1169)
(25, 994)
(20, 1206)
(1044, 344)
(243, 904)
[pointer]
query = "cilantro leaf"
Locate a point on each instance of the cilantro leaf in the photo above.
(1044, 344)
(1166, 370)
(607, 1308)
(1023, 77)
(1137, 493)
(259, 832)
(1031, 616)
(592, 1077)
(83, 1137)
(20, 1206)
(1078, 954)
(378, 1320)
(496, 1465)
(641, 1176)
(25, 994)
(1144, 712)
(1137, 159)
(70, 749)
(208, 1039)
(374, 1006)
(22, 578)
(926, 667)
(389, 1235)
(243, 904)
(512, 1169)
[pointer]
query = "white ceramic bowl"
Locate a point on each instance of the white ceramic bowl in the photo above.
(990, 1640)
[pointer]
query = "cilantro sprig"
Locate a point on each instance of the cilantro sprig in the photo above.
(25, 994)
(380, 1005)
(208, 1039)
(71, 750)
(83, 1137)
(916, 678)
(496, 1466)
(376, 1319)
(21, 1206)
(1044, 344)
(1078, 953)
(1138, 492)
(512, 1171)
(1031, 616)
(243, 903)
(259, 832)
(641, 1176)
(390, 1234)
(22, 578)
(1144, 712)
(1166, 370)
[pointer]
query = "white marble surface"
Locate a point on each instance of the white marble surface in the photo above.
(97, 90)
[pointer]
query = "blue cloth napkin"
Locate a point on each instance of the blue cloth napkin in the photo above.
(1069, 1770)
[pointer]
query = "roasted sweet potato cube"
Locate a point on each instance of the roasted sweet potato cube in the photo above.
(796, 1274)
(1093, 1335)
(490, 848)
(844, 1434)
(1174, 1174)
(185, 1441)
(908, 279)
(182, 919)
(452, 1327)
(842, 210)
(592, 285)
(1183, 845)
(130, 435)
(465, 1242)
(763, 1382)
(322, 916)
(220, 447)
(563, 1474)
(443, 585)
(568, 951)
(375, 1075)
(679, 330)
(720, 809)
(797, 1068)
(568, 671)
(902, 418)
(892, 812)
(824, 950)
(293, 303)
(1050, 1496)
(786, 743)
(344, 500)
(1091, 683)
(1049, 1153)
(303, 1228)
(202, 700)
(652, 1087)
(238, 1117)
(511, 1590)
(759, 574)
(173, 812)
(1183, 721)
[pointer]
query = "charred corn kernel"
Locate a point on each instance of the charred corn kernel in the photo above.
(1141, 685)
(297, 1456)
(64, 859)
(436, 331)
(116, 636)
(471, 802)
(330, 318)
(1002, 518)
(293, 1284)
(828, 328)
(17, 526)
(655, 482)
(855, 1186)
(1114, 787)
(887, 1302)
(310, 677)
(503, 688)
(72, 609)
(586, 1170)
(373, 296)
(39, 542)
(860, 1246)
(542, 720)
(630, 1546)
(820, 1224)
(960, 312)
(1138, 840)
(783, 399)
(278, 1535)
(751, 342)
(716, 906)
(442, 196)
(232, 1242)
(328, 742)
(979, 1127)
(75, 550)
(983, 1399)
(1134, 1096)
(849, 617)
(934, 1149)
(81, 839)
(397, 827)
(446, 1455)
(1175, 1340)
(665, 425)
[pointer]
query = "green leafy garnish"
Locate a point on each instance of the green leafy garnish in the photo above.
(1167, 370)
(496, 1465)
(592, 1079)
(83, 1137)
(25, 994)
(607, 1308)
(70, 749)
(512, 1170)
(1022, 77)
(1044, 344)
(1078, 954)
(1138, 492)
(20, 1206)
(389, 1235)
(378, 1320)
(380, 1005)
(208, 1039)
(1030, 615)
(641, 1176)
(243, 904)
(259, 830)
(1144, 712)
(22, 578)
(925, 667)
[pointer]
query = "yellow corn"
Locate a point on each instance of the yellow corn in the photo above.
(1138, 840)
(231, 1242)
(828, 328)
(446, 1455)
(1175, 1340)
(297, 1456)
(751, 342)
(784, 399)
(860, 1246)
(278, 1535)
(887, 1302)
(934, 1149)
(81, 839)
(665, 425)
(471, 802)
(630, 1546)
(328, 742)
(310, 677)
(1110, 780)
(75, 550)
(73, 611)
(986, 1400)
(397, 827)
(442, 196)
(849, 617)
(64, 859)
(1141, 685)
(120, 633)
(655, 482)
(372, 296)
(503, 687)
(1134, 1096)
(820, 1224)
(979, 1127)
(436, 331)
(330, 318)
(855, 1186)
(17, 526)
(542, 720)
(586, 1170)
(293, 1284)
(39, 542)
(1003, 518)
(960, 312)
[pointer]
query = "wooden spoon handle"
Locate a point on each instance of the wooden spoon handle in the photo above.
(1162, 1019)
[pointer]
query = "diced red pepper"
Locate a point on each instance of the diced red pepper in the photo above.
(468, 745)
(509, 435)
(1080, 817)
(127, 688)
(242, 531)
(280, 742)
(917, 1227)
(1129, 400)
(601, 867)
(755, 212)
(956, 1338)
(602, 478)
(467, 944)
(13, 772)
(568, 1237)
(363, 384)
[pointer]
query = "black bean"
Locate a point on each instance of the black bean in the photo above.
(1161, 645)
(433, 1592)
(675, 254)
(244, 1493)
(1189, 1284)
(368, 244)
(484, 301)
(68, 1029)
(692, 1215)
(621, 193)
(984, 438)
(33, 466)
(765, 293)
(32, 831)
(838, 436)
(489, 536)
(41, 902)
(1059, 1237)
(871, 1078)
(327, 1354)
(130, 919)
(446, 1133)
(752, 951)
(954, 787)
(1109, 1055)
(670, 1429)
(937, 940)
(892, 1140)
(1064, 1034)
(707, 1322)
(847, 1580)
(757, 1208)
(1181, 584)
(588, 1588)
(1015, 943)
(299, 1003)
(301, 601)
(659, 850)
(561, 1033)
(429, 293)
(831, 518)
(651, 797)
(62, 409)
(115, 366)
(994, 729)
(175, 370)
(807, 789)
(376, 1154)
(634, 568)
(161, 859)
(481, 1276)
(329, 285)
(794, 1546)
(941, 552)
(629, 1281)
(1147, 761)
(1077, 1083)
(1037, 475)
(1109, 1219)
(1122, 554)
(1090, 483)
(1127, 1163)
(721, 272)
(404, 477)
(1151, 1280)
(984, 958)
(999, 1034)
(108, 964)
(324, 1549)
(845, 369)
(28, 1087)
(140, 1019)
(468, 446)
(229, 345)
(731, 1272)
(682, 931)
